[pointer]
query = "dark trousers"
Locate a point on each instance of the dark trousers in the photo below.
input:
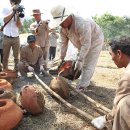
(52, 53)
(1, 55)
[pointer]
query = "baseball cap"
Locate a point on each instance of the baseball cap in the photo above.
(31, 38)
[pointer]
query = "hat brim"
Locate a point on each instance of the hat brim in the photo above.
(31, 41)
(56, 22)
(36, 13)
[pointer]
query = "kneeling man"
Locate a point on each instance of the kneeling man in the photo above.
(31, 58)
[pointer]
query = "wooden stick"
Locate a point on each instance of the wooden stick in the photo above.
(91, 100)
(71, 107)
(107, 110)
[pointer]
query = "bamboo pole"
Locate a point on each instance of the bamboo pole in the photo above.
(71, 107)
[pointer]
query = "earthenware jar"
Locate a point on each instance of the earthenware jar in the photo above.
(60, 86)
(5, 84)
(10, 114)
(32, 99)
(7, 94)
(9, 75)
(67, 70)
(1, 67)
(3, 75)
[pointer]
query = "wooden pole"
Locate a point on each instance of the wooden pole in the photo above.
(107, 110)
(91, 100)
(71, 107)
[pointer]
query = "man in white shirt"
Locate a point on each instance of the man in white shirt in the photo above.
(11, 34)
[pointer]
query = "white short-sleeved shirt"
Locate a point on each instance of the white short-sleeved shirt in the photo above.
(10, 29)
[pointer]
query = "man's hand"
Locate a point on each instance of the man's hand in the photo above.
(61, 62)
(14, 7)
(78, 65)
(30, 68)
(99, 122)
(41, 68)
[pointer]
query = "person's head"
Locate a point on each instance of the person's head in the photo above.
(31, 40)
(61, 17)
(14, 2)
(36, 13)
(120, 51)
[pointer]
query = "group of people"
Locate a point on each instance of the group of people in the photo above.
(39, 30)
(87, 37)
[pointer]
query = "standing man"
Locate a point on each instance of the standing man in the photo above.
(85, 35)
(31, 57)
(41, 30)
(119, 117)
(53, 44)
(11, 34)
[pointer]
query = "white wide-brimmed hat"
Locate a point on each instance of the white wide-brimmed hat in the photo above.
(59, 14)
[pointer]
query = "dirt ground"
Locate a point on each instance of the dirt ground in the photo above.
(58, 117)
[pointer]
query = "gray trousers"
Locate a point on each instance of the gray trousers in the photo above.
(7, 44)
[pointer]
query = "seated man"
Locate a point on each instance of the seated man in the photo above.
(31, 57)
(119, 117)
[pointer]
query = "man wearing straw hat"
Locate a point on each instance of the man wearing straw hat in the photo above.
(40, 29)
(85, 35)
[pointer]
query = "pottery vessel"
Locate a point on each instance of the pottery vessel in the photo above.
(10, 114)
(9, 75)
(1, 67)
(32, 99)
(60, 86)
(5, 84)
(67, 70)
(7, 94)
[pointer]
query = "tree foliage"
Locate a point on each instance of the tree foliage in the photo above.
(113, 26)
(26, 25)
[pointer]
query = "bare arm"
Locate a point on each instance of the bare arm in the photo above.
(11, 14)
(18, 22)
(8, 17)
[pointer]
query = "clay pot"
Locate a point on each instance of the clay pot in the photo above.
(1, 67)
(66, 70)
(9, 75)
(3, 75)
(5, 84)
(10, 114)
(60, 86)
(7, 94)
(32, 99)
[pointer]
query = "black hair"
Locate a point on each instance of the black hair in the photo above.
(122, 44)
(16, 1)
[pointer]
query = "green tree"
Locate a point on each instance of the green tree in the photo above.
(113, 26)
(26, 25)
